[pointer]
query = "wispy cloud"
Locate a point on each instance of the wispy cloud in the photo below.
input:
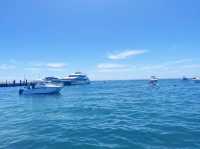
(48, 65)
(110, 66)
(115, 70)
(7, 66)
(126, 54)
(179, 61)
(13, 61)
(56, 65)
(175, 64)
(165, 66)
(197, 66)
(36, 69)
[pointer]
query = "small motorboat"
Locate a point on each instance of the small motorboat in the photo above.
(185, 78)
(41, 88)
(153, 80)
(196, 79)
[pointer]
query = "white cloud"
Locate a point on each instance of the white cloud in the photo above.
(176, 64)
(56, 65)
(180, 61)
(7, 66)
(13, 61)
(125, 54)
(110, 66)
(48, 65)
(32, 69)
(115, 70)
(197, 66)
(36, 64)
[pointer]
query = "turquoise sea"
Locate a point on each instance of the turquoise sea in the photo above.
(103, 115)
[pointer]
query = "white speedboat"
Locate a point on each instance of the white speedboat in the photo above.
(196, 79)
(153, 80)
(77, 78)
(41, 88)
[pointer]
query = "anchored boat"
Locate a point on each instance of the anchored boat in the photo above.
(153, 80)
(77, 78)
(185, 78)
(41, 88)
(196, 79)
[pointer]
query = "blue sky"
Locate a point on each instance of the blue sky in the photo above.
(107, 39)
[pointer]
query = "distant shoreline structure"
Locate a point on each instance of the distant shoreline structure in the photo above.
(15, 83)
(77, 78)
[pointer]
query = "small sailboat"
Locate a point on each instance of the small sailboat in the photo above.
(41, 88)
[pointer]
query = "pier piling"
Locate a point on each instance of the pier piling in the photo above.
(14, 83)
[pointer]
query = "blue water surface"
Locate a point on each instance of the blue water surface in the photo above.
(103, 115)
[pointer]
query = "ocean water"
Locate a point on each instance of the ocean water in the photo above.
(110, 115)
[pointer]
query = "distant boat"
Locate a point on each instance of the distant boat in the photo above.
(76, 78)
(185, 78)
(51, 79)
(41, 88)
(153, 80)
(196, 79)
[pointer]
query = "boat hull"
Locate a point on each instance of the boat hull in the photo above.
(75, 82)
(153, 81)
(51, 90)
(197, 81)
(79, 82)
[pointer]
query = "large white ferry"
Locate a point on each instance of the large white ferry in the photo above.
(76, 78)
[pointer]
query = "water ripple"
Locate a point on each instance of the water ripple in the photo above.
(111, 115)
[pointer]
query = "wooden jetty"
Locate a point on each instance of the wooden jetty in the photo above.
(14, 83)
